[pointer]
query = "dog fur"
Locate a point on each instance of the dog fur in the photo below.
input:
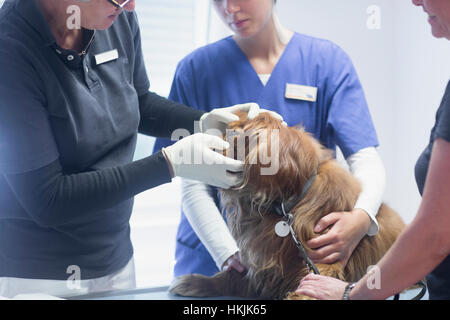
(275, 267)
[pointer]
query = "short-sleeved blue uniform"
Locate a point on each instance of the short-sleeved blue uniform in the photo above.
(220, 75)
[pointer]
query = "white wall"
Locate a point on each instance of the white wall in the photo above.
(403, 70)
(421, 73)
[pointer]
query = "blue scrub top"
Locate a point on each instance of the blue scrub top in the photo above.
(220, 75)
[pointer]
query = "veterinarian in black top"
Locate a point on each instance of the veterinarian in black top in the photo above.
(68, 126)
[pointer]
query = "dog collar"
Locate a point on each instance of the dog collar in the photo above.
(284, 227)
(291, 204)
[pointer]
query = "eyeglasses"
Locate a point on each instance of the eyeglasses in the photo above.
(116, 4)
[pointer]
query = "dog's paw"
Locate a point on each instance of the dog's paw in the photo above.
(295, 296)
(193, 285)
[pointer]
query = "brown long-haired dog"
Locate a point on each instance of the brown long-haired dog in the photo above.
(275, 267)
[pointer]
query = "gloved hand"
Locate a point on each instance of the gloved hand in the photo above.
(193, 158)
(275, 115)
(220, 118)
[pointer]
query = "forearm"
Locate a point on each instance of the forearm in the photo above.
(52, 198)
(207, 222)
(160, 117)
(367, 167)
(425, 242)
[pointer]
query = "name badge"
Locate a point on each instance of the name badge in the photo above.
(298, 92)
(106, 56)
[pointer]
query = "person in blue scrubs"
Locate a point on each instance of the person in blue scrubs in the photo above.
(310, 82)
(72, 101)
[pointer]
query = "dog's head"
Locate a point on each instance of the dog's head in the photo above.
(279, 160)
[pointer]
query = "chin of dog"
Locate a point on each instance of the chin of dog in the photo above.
(274, 264)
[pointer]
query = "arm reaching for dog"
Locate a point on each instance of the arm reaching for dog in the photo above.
(207, 222)
(424, 244)
(348, 228)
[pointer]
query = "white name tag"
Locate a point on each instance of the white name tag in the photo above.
(298, 92)
(106, 56)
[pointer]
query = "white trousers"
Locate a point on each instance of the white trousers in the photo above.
(120, 280)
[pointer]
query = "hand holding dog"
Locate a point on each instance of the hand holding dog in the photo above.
(347, 229)
(321, 287)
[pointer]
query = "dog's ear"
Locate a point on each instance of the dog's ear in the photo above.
(323, 154)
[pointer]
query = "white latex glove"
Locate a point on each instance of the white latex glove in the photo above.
(219, 118)
(275, 115)
(193, 158)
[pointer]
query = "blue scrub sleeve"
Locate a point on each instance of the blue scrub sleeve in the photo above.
(349, 118)
(26, 138)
